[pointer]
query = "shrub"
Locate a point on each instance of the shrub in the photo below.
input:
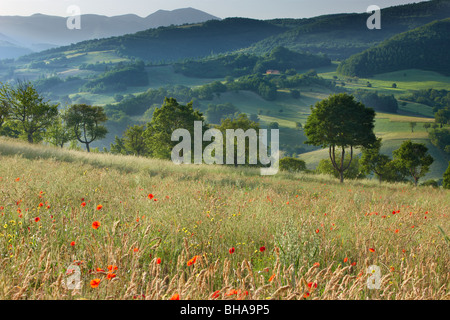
(292, 164)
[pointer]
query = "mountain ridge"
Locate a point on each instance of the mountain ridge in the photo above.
(31, 32)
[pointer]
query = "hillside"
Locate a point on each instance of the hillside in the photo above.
(342, 35)
(168, 229)
(177, 42)
(424, 48)
(40, 32)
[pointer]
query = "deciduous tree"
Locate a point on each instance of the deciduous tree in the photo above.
(414, 157)
(86, 123)
(340, 122)
(28, 111)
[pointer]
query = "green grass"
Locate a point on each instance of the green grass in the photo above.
(313, 229)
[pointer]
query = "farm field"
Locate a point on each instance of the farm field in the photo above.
(148, 229)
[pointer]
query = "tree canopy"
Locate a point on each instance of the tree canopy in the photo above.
(340, 122)
(86, 122)
(26, 109)
(414, 158)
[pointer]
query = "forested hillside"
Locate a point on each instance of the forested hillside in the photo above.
(424, 48)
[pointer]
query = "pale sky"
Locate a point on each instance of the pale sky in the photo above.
(257, 9)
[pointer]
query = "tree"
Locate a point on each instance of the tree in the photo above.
(118, 146)
(426, 126)
(412, 125)
(59, 133)
(292, 164)
(381, 165)
(86, 122)
(133, 140)
(414, 158)
(4, 112)
(244, 123)
(325, 166)
(165, 121)
(340, 122)
(442, 116)
(372, 161)
(28, 111)
(446, 181)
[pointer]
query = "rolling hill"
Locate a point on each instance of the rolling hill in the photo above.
(177, 42)
(423, 48)
(40, 32)
(342, 35)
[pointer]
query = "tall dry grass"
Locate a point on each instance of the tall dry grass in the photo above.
(314, 231)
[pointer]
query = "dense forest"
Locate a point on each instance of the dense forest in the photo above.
(119, 78)
(239, 64)
(424, 48)
(342, 35)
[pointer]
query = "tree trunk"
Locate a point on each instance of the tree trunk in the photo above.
(30, 137)
(341, 173)
(87, 147)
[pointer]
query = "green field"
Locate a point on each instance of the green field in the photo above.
(286, 111)
(149, 229)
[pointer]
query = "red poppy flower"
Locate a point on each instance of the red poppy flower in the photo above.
(112, 268)
(345, 259)
(95, 283)
(216, 294)
(176, 296)
(158, 261)
(262, 249)
(306, 295)
(192, 261)
(37, 219)
(100, 270)
(371, 249)
(95, 224)
(41, 204)
(83, 204)
(231, 251)
(272, 277)
(150, 196)
(99, 207)
(310, 285)
(317, 230)
(110, 276)
(72, 243)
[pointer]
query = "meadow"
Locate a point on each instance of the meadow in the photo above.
(142, 228)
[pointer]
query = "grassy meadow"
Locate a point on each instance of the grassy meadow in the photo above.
(148, 229)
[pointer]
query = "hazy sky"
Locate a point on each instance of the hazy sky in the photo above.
(258, 9)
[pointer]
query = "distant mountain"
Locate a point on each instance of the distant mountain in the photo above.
(10, 49)
(178, 42)
(425, 48)
(342, 35)
(40, 32)
(338, 36)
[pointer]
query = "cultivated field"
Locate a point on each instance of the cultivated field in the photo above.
(147, 229)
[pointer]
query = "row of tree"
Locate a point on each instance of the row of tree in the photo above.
(340, 123)
(24, 113)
